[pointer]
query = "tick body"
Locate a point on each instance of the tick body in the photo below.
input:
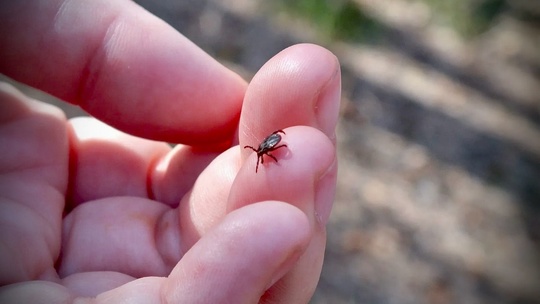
(268, 145)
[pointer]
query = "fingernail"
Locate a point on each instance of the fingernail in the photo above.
(327, 104)
(325, 194)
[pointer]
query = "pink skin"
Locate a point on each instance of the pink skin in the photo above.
(146, 222)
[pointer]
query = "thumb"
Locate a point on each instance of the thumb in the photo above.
(240, 258)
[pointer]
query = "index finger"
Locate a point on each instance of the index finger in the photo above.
(122, 65)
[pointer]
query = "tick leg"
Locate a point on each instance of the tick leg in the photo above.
(257, 167)
(272, 156)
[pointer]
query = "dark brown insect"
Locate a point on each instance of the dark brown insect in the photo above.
(267, 145)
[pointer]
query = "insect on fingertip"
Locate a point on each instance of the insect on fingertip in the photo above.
(269, 144)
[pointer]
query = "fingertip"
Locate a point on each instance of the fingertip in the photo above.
(293, 178)
(107, 162)
(165, 87)
(301, 85)
(123, 65)
(237, 260)
(13, 103)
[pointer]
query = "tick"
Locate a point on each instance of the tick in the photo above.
(268, 145)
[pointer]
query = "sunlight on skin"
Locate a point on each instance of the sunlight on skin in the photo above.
(226, 233)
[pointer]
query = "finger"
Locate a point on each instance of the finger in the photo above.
(234, 263)
(90, 284)
(123, 65)
(33, 181)
(130, 235)
(238, 259)
(294, 177)
(145, 290)
(106, 162)
(107, 224)
(206, 204)
(35, 292)
(299, 86)
(304, 176)
(175, 174)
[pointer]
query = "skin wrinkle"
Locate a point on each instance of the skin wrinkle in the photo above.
(151, 168)
(91, 72)
(165, 226)
(29, 214)
(94, 58)
(63, 30)
(323, 215)
(324, 87)
(322, 93)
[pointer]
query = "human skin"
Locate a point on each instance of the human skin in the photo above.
(90, 214)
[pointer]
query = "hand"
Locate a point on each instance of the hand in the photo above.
(89, 211)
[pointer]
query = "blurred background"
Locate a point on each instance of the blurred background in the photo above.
(439, 143)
